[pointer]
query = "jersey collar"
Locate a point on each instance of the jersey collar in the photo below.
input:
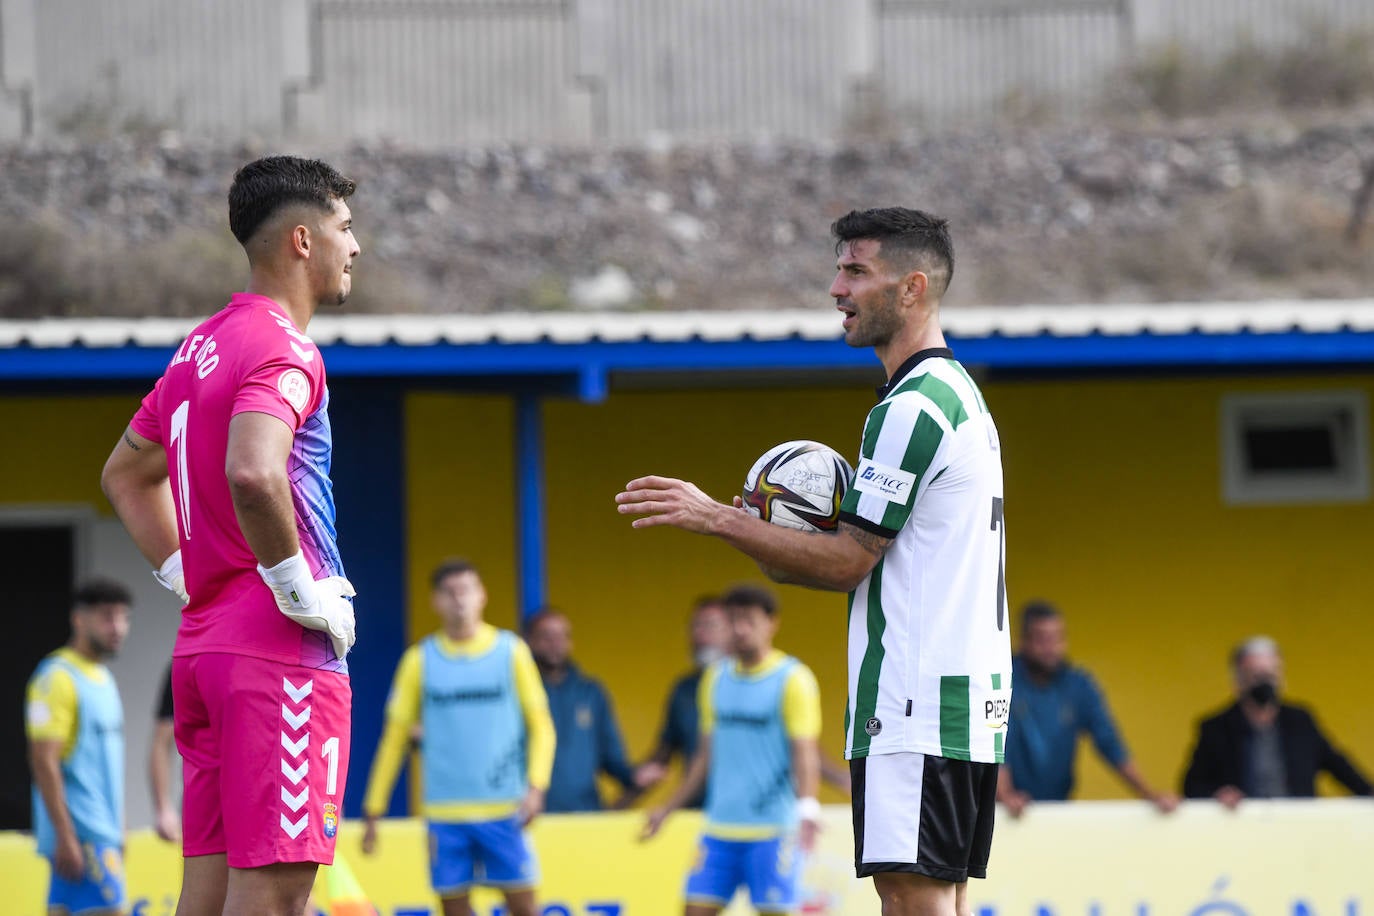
(911, 363)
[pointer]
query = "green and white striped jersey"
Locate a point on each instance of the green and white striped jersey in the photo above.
(929, 648)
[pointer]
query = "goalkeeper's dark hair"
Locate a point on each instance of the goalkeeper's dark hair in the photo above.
(1037, 611)
(264, 186)
(911, 240)
(454, 566)
(745, 596)
(94, 592)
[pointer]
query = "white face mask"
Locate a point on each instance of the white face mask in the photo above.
(708, 655)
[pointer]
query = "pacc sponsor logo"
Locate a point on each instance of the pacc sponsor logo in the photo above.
(892, 484)
(883, 480)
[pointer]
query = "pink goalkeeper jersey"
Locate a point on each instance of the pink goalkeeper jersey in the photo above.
(248, 357)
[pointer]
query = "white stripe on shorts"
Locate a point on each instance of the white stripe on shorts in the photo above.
(892, 807)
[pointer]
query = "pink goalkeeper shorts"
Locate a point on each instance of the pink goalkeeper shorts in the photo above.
(264, 749)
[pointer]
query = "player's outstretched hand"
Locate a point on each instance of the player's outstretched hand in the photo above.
(649, 774)
(653, 823)
(369, 843)
(68, 860)
(669, 501)
(531, 807)
(1015, 801)
(167, 824)
(1165, 802)
(806, 836)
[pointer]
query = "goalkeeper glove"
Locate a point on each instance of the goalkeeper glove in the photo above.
(170, 576)
(315, 605)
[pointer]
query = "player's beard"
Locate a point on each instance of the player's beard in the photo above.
(707, 655)
(876, 325)
(102, 649)
(1042, 671)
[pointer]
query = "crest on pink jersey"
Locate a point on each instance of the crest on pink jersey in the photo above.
(295, 387)
(331, 819)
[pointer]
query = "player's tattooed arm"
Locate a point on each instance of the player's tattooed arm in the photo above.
(875, 544)
(834, 564)
(131, 443)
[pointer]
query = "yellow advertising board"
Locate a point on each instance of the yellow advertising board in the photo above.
(1293, 858)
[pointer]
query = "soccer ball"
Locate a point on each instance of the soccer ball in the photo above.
(798, 484)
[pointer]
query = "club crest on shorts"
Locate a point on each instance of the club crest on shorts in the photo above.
(873, 726)
(331, 819)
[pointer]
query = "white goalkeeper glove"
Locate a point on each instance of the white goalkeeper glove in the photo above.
(315, 605)
(170, 576)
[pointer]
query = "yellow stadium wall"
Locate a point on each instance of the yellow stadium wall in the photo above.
(58, 445)
(1114, 510)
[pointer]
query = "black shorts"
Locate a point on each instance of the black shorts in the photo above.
(923, 815)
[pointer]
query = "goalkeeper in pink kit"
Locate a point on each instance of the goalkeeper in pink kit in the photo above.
(222, 479)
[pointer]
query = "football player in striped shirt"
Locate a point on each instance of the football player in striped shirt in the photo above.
(920, 549)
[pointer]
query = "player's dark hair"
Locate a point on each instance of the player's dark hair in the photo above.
(100, 590)
(264, 186)
(911, 239)
(452, 567)
(546, 612)
(702, 602)
(742, 596)
(1036, 611)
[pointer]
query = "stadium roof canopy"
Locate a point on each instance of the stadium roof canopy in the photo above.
(583, 351)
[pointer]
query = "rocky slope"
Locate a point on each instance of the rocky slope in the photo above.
(1218, 209)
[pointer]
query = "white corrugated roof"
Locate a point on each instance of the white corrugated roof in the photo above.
(820, 323)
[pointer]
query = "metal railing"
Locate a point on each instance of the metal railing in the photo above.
(942, 61)
(445, 72)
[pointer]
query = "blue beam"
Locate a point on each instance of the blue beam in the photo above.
(588, 364)
(529, 494)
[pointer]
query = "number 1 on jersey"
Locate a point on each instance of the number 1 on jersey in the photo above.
(330, 752)
(183, 482)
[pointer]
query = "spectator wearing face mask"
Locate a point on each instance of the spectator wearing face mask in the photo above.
(709, 641)
(1259, 746)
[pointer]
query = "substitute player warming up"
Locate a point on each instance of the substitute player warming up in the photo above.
(222, 480)
(473, 696)
(921, 550)
(757, 756)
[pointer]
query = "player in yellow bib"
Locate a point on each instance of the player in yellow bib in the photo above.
(487, 746)
(757, 756)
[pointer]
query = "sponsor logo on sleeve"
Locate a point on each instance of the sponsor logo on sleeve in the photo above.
(39, 713)
(892, 484)
(294, 385)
